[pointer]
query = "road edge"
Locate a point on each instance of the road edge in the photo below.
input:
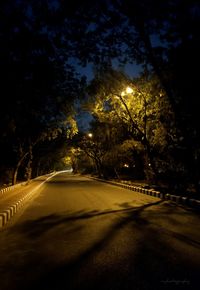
(180, 200)
(10, 211)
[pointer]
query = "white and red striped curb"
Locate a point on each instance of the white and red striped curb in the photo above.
(175, 198)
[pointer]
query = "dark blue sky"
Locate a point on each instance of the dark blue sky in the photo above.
(132, 70)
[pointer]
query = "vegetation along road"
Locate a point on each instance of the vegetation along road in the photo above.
(78, 233)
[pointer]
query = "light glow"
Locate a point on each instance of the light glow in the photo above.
(129, 90)
(126, 165)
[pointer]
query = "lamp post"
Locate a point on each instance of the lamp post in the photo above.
(127, 91)
(143, 132)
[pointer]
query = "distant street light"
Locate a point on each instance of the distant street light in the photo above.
(126, 165)
(90, 135)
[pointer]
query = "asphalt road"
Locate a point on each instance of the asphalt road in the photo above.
(83, 234)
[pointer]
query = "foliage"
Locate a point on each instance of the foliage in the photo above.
(39, 88)
(41, 42)
(145, 113)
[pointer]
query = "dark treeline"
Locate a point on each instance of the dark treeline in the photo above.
(149, 132)
(38, 89)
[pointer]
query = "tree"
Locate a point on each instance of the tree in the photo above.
(95, 149)
(38, 86)
(143, 111)
(164, 39)
(48, 36)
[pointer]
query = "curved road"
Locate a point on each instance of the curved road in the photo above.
(78, 233)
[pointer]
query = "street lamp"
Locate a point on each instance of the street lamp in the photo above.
(126, 165)
(143, 133)
(129, 91)
(90, 135)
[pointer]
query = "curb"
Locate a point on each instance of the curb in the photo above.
(3, 190)
(8, 213)
(181, 200)
(12, 187)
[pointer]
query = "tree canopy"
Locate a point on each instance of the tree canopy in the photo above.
(44, 45)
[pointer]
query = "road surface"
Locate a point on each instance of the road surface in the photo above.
(83, 234)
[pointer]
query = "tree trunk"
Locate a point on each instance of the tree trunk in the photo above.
(149, 161)
(29, 165)
(116, 173)
(14, 179)
(38, 168)
(98, 167)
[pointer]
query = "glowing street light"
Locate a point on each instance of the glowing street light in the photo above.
(90, 135)
(128, 90)
(122, 97)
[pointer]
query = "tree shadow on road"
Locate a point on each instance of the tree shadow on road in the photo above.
(35, 228)
(152, 262)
